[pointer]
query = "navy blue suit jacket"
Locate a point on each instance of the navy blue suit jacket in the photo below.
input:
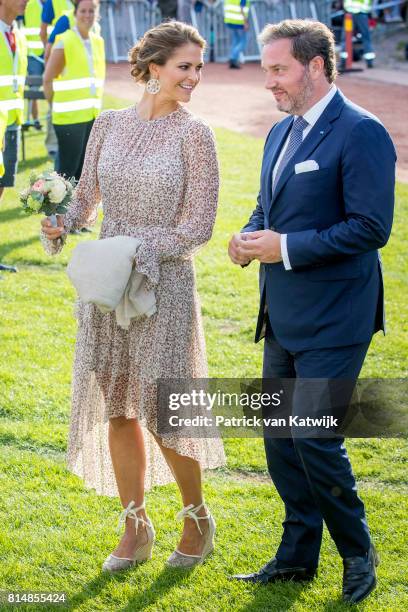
(335, 219)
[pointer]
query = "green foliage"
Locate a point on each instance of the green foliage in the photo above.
(55, 533)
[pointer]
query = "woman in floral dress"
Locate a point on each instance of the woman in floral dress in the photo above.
(155, 169)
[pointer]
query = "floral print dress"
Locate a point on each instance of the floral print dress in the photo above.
(158, 181)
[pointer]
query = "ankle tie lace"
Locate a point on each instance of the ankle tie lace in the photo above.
(130, 512)
(190, 512)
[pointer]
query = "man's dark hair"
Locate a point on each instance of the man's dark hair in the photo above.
(309, 39)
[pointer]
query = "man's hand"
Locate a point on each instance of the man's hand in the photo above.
(263, 245)
(234, 250)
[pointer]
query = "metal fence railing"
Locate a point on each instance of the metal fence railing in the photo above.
(210, 22)
(124, 21)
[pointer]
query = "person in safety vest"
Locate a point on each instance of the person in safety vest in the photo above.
(236, 18)
(35, 47)
(64, 23)
(73, 82)
(52, 11)
(13, 70)
(360, 11)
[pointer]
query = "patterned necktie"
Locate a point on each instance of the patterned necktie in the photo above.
(11, 41)
(295, 140)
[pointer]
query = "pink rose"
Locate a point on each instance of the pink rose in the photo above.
(39, 186)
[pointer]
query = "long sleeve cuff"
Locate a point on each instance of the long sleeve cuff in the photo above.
(51, 247)
(284, 252)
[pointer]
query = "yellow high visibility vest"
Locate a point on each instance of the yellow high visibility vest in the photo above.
(60, 6)
(32, 23)
(96, 28)
(13, 72)
(357, 6)
(78, 91)
(3, 126)
(233, 13)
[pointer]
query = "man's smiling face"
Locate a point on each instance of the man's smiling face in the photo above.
(287, 79)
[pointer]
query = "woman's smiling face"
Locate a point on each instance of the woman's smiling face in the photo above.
(181, 74)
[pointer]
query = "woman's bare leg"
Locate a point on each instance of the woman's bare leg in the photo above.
(127, 451)
(187, 473)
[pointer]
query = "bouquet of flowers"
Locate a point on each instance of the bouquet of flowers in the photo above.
(48, 193)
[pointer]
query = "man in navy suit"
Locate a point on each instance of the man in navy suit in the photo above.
(325, 206)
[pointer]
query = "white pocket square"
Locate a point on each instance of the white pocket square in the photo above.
(307, 166)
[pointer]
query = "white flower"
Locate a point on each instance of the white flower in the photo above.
(25, 193)
(58, 191)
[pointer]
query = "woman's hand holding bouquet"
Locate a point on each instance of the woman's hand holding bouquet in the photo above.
(51, 194)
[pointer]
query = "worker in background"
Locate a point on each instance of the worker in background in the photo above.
(64, 23)
(360, 11)
(73, 83)
(13, 70)
(236, 18)
(32, 27)
(52, 11)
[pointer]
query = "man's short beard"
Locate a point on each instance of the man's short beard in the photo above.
(298, 102)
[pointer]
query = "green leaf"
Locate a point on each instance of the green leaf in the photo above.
(36, 195)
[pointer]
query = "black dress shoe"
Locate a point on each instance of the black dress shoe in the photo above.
(4, 268)
(274, 571)
(359, 577)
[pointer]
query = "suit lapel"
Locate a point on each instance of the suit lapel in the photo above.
(318, 133)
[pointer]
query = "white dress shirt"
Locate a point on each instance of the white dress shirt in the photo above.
(311, 116)
(5, 27)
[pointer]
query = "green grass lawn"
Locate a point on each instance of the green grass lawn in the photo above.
(55, 534)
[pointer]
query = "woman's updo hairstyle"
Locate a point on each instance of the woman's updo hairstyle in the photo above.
(158, 45)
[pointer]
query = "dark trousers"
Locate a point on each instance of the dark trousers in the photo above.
(72, 141)
(313, 476)
(10, 156)
(238, 43)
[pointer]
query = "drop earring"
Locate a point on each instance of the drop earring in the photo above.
(153, 86)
